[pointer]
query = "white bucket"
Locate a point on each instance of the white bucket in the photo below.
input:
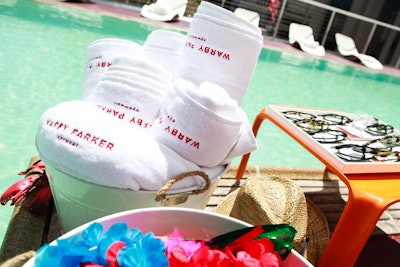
(192, 223)
(78, 201)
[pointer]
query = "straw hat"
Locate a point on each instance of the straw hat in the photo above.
(276, 200)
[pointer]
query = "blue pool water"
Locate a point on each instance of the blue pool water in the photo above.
(42, 52)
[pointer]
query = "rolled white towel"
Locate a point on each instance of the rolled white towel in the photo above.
(246, 142)
(80, 140)
(100, 55)
(165, 48)
(221, 49)
(202, 124)
(132, 90)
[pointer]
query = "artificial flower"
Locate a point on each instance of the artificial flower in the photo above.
(121, 246)
(175, 239)
(244, 251)
(117, 247)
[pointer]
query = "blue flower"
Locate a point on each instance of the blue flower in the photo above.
(129, 247)
(70, 251)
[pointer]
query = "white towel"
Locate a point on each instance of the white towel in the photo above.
(165, 48)
(246, 142)
(212, 10)
(83, 142)
(132, 90)
(100, 55)
(202, 124)
(221, 49)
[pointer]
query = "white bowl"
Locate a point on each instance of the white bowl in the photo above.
(192, 223)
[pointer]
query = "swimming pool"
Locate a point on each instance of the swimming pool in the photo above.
(42, 53)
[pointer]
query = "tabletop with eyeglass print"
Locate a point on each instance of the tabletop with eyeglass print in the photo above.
(350, 141)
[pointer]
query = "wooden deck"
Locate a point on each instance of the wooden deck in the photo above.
(29, 231)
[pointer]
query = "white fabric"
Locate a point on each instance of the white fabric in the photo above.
(202, 124)
(347, 47)
(165, 48)
(246, 142)
(132, 91)
(100, 55)
(221, 48)
(248, 15)
(303, 35)
(212, 10)
(83, 142)
(164, 10)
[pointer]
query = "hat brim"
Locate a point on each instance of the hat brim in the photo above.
(317, 226)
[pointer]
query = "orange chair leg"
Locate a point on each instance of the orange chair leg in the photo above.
(245, 158)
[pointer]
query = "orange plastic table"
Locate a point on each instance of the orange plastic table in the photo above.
(370, 193)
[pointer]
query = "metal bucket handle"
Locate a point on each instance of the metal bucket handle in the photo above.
(181, 197)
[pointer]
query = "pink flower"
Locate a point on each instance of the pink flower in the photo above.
(261, 250)
(246, 251)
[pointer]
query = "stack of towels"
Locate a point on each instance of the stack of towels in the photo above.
(153, 111)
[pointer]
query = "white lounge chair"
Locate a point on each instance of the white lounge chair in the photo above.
(248, 15)
(164, 10)
(302, 36)
(348, 49)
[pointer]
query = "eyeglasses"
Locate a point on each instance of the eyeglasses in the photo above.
(379, 129)
(312, 126)
(389, 141)
(335, 119)
(378, 149)
(319, 126)
(352, 152)
(329, 136)
(297, 115)
(332, 119)
(388, 156)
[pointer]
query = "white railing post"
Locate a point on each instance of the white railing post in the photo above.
(279, 19)
(371, 33)
(328, 28)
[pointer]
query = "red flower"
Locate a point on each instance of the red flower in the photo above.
(243, 259)
(210, 257)
(245, 251)
(202, 257)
